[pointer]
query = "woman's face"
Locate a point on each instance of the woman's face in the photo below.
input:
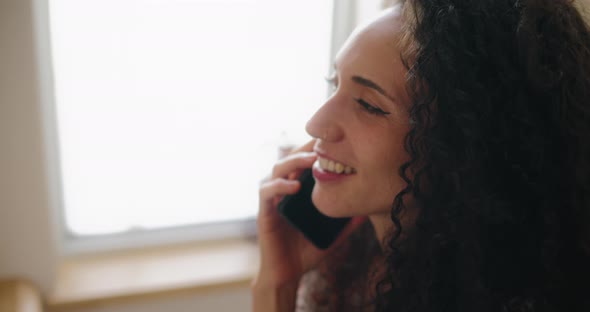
(368, 71)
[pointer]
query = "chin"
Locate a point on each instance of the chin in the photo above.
(329, 208)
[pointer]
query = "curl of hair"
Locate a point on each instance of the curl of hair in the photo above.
(500, 150)
(500, 162)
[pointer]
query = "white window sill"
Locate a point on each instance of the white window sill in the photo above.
(132, 274)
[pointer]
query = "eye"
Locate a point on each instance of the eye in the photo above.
(371, 109)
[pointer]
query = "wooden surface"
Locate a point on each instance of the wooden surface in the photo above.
(93, 280)
(19, 296)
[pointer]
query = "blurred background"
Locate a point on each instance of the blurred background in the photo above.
(134, 135)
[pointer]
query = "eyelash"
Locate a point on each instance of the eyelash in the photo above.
(371, 109)
(366, 106)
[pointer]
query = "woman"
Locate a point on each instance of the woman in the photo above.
(466, 129)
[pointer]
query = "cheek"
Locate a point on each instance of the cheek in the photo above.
(388, 158)
(386, 148)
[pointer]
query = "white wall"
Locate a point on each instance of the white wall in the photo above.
(27, 245)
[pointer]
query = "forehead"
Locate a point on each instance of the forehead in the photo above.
(377, 41)
(373, 49)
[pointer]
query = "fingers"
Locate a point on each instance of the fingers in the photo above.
(278, 187)
(292, 163)
(282, 180)
(272, 189)
(307, 147)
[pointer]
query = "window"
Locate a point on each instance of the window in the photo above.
(170, 112)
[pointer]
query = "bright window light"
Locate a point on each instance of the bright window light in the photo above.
(169, 112)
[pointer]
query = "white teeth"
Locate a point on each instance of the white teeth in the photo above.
(323, 163)
(339, 168)
(332, 166)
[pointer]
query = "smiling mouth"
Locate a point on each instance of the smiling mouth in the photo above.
(335, 167)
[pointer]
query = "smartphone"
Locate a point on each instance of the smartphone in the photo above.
(300, 211)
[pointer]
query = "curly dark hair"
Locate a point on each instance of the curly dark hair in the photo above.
(500, 164)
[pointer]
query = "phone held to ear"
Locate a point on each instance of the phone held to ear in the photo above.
(300, 211)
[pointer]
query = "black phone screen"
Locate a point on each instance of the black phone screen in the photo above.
(300, 211)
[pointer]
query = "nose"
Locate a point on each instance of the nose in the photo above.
(325, 123)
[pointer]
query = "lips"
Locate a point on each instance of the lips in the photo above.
(332, 165)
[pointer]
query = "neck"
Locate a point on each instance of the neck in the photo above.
(382, 224)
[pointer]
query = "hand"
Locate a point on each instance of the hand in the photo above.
(285, 254)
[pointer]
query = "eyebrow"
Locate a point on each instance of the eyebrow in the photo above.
(370, 84)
